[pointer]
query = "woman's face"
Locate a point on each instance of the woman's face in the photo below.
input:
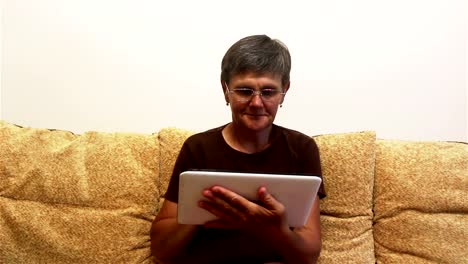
(256, 114)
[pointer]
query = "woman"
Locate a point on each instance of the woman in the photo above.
(255, 80)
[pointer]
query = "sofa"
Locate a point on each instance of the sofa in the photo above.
(91, 197)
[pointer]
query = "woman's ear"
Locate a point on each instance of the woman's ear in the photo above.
(225, 91)
(286, 87)
(285, 90)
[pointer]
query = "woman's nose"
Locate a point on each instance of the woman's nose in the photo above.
(256, 100)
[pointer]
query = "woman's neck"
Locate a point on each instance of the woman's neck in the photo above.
(245, 140)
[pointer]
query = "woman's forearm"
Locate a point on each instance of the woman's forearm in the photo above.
(294, 248)
(169, 238)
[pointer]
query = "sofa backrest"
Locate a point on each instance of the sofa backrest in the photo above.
(68, 198)
(91, 198)
(421, 202)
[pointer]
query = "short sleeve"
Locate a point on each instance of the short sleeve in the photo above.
(183, 163)
(311, 162)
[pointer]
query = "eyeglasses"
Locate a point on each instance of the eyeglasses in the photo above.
(246, 94)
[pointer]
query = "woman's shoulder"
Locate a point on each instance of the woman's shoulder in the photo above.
(297, 140)
(205, 137)
(292, 134)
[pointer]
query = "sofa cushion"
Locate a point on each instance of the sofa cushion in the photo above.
(171, 140)
(346, 212)
(421, 203)
(348, 166)
(67, 198)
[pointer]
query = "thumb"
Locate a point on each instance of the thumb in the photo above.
(268, 200)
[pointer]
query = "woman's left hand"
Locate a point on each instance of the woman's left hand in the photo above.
(236, 212)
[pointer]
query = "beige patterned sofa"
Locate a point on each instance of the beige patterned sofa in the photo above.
(91, 198)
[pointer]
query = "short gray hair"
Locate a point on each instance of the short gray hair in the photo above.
(258, 54)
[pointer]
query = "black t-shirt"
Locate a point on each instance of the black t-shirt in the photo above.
(290, 152)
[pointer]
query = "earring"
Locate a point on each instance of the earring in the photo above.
(281, 105)
(227, 103)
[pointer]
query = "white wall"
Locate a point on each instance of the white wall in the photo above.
(1, 54)
(396, 67)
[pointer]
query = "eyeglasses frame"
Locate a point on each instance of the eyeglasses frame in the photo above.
(254, 93)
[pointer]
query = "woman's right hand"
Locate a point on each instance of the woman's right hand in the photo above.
(267, 219)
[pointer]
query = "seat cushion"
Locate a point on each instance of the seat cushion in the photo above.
(421, 202)
(67, 198)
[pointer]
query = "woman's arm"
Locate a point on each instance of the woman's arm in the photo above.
(170, 242)
(302, 245)
(169, 238)
(266, 222)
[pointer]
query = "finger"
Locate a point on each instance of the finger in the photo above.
(216, 200)
(233, 199)
(268, 200)
(221, 210)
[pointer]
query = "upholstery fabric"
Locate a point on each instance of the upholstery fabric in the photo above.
(91, 198)
(348, 167)
(346, 213)
(421, 202)
(67, 198)
(171, 140)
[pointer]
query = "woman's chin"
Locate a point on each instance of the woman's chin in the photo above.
(257, 124)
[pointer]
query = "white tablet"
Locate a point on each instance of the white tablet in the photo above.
(296, 192)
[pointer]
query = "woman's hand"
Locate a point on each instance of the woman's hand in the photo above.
(267, 218)
(266, 222)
